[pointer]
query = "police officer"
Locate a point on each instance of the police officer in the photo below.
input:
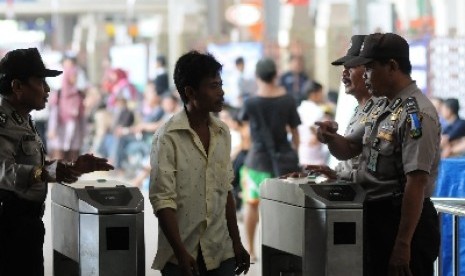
(352, 79)
(399, 165)
(24, 172)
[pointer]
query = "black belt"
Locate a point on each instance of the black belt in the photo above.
(395, 200)
(11, 206)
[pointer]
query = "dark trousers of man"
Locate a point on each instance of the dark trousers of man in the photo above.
(226, 268)
(382, 220)
(21, 238)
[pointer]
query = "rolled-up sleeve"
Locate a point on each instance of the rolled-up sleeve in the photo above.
(162, 192)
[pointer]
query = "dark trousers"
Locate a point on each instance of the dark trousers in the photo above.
(226, 268)
(382, 220)
(21, 238)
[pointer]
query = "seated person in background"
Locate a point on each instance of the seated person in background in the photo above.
(455, 149)
(438, 103)
(121, 116)
(138, 148)
(455, 127)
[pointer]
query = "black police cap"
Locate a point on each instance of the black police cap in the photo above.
(25, 63)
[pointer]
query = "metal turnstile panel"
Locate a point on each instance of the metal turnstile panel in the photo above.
(311, 229)
(99, 197)
(98, 229)
(307, 194)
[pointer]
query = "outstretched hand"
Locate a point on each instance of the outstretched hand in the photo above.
(326, 131)
(87, 163)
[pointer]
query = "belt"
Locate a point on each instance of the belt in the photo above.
(11, 206)
(395, 200)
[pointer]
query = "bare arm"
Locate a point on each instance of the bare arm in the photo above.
(458, 147)
(169, 226)
(241, 255)
(412, 205)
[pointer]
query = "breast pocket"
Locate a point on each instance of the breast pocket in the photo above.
(30, 147)
(387, 167)
(222, 179)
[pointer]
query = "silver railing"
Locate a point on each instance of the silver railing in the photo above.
(456, 208)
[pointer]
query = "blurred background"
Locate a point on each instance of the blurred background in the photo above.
(132, 33)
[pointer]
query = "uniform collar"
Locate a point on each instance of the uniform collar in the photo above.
(408, 91)
(9, 109)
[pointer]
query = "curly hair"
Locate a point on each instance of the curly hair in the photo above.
(193, 67)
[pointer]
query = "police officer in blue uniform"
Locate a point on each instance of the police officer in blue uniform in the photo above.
(24, 171)
(399, 164)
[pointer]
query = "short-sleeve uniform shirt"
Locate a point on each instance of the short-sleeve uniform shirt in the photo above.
(400, 136)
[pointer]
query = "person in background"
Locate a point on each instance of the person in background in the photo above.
(399, 163)
(246, 86)
(161, 81)
(67, 122)
(295, 79)
(438, 103)
(190, 181)
(311, 151)
(240, 148)
(122, 117)
(137, 149)
(455, 126)
(25, 172)
(271, 114)
(121, 87)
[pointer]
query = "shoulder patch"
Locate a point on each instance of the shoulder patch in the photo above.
(3, 119)
(411, 105)
(413, 118)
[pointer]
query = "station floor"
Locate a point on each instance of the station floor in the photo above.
(151, 235)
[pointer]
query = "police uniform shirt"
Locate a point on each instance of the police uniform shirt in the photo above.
(346, 169)
(402, 138)
(21, 150)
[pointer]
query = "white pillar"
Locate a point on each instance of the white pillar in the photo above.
(176, 17)
(440, 15)
(460, 18)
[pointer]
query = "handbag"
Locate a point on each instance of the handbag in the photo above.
(282, 162)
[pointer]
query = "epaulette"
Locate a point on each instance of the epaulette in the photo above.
(368, 106)
(413, 117)
(3, 119)
(395, 104)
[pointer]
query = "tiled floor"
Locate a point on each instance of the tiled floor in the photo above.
(151, 234)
